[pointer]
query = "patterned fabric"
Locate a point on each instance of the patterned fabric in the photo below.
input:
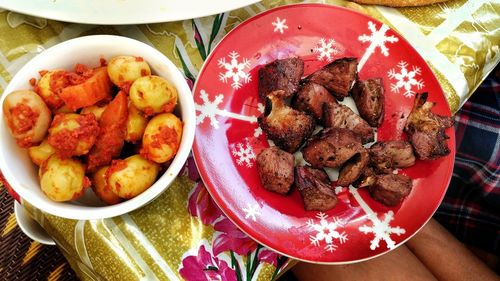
(471, 207)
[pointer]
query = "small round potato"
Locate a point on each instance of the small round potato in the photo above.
(96, 110)
(62, 179)
(130, 177)
(27, 117)
(40, 153)
(73, 134)
(124, 70)
(153, 94)
(101, 188)
(49, 85)
(162, 138)
(64, 109)
(136, 124)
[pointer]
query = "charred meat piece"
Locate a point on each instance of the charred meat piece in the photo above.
(313, 185)
(426, 130)
(310, 99)
(337, 77)
(282, 75)
(389, 189)
(387, 155)
(340, 116)
(275, 168)
(287, 127)
(331, 148)
(353, 168)
(369, 98)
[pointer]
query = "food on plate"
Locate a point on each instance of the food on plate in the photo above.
(62, 179)
(275, 168)
(130, 177)
(124, 70)
(315, 189)
(369, 98)
(94, 109)
(40, 153)
(331, 148)
(162, 138)
(50, 85)
(387, 155)
(281, 75)
(287, 127)
(338, 77)
(102, 189)
(27, 117)
(426, 130)
(64, 109)
(310, 99)
(72, 134)
(353, 168)
(136, 124)
(153, 94)
(388, 189)
(340, 116)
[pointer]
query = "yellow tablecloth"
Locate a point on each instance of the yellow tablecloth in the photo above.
(182, 234)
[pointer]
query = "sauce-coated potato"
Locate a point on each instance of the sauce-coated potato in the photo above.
(153, 94)
(130, 177)
(73, 134)
(101, 188)
(50, 85)
(162, 138)
(136, 124)
(64, 109)
(27, 117)
(126, 69)
(96, 110)
(40, 153)
(62, 179)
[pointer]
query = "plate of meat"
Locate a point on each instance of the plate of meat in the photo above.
(322, 133)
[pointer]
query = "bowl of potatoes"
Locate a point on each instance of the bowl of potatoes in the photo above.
(95, 127)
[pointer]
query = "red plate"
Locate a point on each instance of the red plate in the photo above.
(228, 137)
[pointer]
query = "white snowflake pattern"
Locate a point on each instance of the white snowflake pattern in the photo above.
(377, 39)
(405, 79)
(326, 49)
(382, 230)
(279, 25)
(244, 153)
(234, 70)
(208, 109)
(339, 189)
(327, 231)
(252, 212)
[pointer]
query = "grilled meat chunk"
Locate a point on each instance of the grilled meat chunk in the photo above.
(287, 127)
(282, 75)
(387, 155)
(389, 189)
(337, 77)
(353, 168)
(426, 130)
(275, 168)
(310, 99)
(331, 148)
(369, 98)
(340, 116)
(314, 187)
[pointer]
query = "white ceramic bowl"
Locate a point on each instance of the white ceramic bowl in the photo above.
(22, 174)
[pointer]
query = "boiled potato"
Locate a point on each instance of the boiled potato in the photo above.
(101, 188)
(27, 117)
(162, 138)
(96, 110)
(62, 179)
(49, 85)
(64, 109)
(124, 70)
(130, 177)
(136, 124)
(153, 94)
(40, 153)
(73, 134)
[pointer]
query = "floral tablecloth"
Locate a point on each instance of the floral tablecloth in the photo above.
(183, 234)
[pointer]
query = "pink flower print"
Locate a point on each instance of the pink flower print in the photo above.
(231, 238)
(269, 256)
(201, 205)
(205, 267)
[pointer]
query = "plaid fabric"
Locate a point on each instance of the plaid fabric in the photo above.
(471, 207)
